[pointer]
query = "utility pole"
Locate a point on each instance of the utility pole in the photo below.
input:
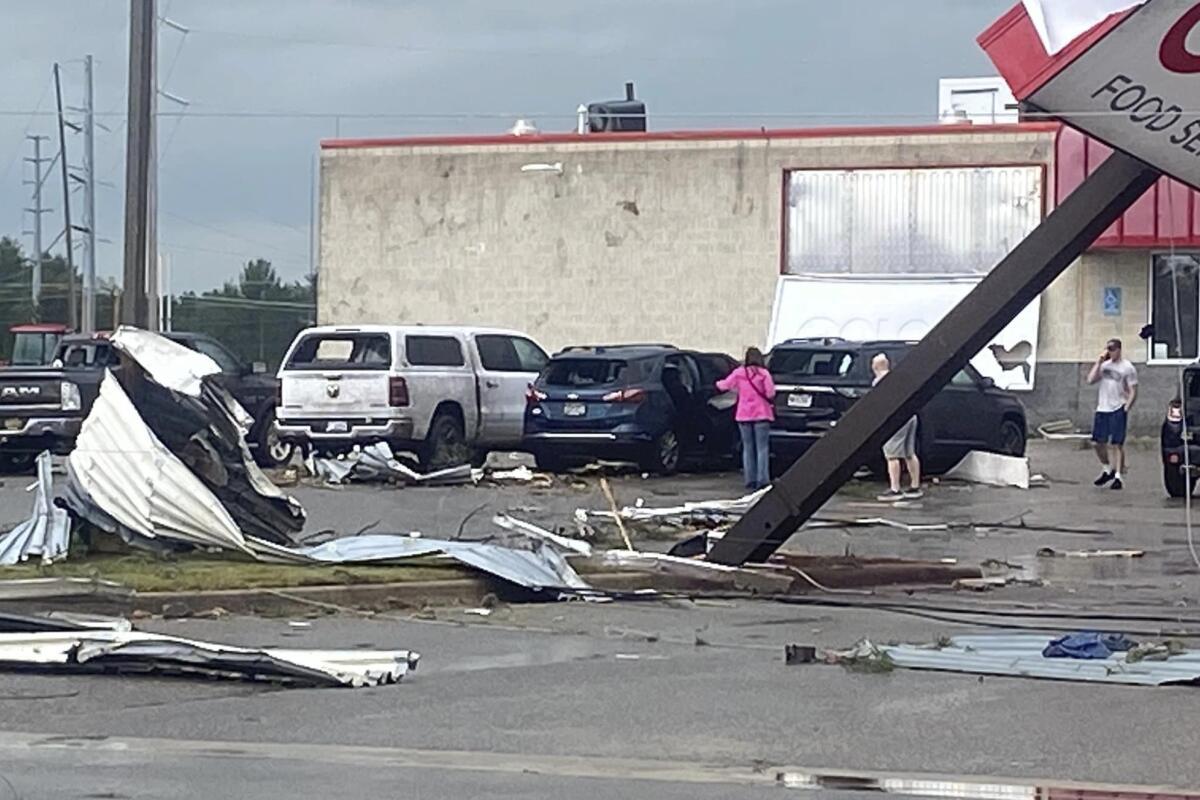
(37, 210)
(136, 308)
(72, 308)
(88, 322)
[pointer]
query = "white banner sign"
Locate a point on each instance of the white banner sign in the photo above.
(1138, 88)
(902, 309)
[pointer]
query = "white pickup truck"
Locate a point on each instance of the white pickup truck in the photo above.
(448, 394)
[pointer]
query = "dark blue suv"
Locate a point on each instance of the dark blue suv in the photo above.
(655, 405)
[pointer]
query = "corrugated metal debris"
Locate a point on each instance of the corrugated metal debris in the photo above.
(47, 532)
(120, 469)
(168, 363)
(140, 653)
(60, 589)
(1020, 655)
(377, 462)
(162, 455)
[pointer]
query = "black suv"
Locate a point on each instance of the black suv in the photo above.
(42, 408)
(1179, 430)
(818, 380)
(656, 405)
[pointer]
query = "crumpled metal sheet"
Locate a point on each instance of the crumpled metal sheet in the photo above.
(168, 363)
(537, 568)
(122, 469)
(1020, 656)
(47, 532)
(577, 546)
(377, 462)
(137, 652)
(60, 621)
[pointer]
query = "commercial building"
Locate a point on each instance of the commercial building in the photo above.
(697, 237)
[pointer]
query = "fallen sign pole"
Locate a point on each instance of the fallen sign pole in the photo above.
(976, 320)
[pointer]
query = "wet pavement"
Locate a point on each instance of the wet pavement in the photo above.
(560, 699)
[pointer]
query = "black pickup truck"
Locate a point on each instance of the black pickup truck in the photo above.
(42, 408)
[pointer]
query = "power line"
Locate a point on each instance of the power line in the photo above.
(215, 229)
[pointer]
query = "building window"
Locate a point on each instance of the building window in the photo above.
(1175, 306)
(929, 221)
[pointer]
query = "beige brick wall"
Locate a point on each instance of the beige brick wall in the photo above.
(641, 241)
(1074, 327)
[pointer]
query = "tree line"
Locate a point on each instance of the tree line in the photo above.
(256, 315)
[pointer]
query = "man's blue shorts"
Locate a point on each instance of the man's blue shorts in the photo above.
(1109, 427)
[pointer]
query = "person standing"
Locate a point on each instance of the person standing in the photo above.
(1117, 391)
(755, 413)
(899, 450)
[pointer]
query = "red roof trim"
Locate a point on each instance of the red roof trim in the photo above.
(687, 136)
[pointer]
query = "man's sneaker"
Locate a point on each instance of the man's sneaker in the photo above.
(1116, 484)
(912, 494)
(890, 496)
(1105, 477)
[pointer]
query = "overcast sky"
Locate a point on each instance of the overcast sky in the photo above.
(267, 79)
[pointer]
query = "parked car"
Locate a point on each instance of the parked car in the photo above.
(1180, 446)
(449, 394)
(42, 408)
(652, 404)
(818, 380)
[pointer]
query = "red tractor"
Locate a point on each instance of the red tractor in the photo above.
(34, 343)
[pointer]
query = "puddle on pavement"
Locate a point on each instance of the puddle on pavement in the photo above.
(1070, 569)
(556, 652)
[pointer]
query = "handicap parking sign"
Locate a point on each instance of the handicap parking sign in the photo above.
(1112, 301)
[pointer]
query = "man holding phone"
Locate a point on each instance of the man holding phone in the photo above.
(1118, 389)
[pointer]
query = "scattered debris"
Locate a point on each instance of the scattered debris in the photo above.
(992, 469)
(478, 612)
(377, 462)
(508, 523)
(799, 654)
(711, 512)
(1020, 655)
(1050, 552)
(1061, 430)
(47, 532)
(521, 474)
(1088, 645)
(100, 650)
(863, 657)
(612, 504)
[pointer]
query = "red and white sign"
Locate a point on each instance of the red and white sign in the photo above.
(1137, 88)
(1060, 22)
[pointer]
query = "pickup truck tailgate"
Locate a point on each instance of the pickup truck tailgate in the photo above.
(333, 394)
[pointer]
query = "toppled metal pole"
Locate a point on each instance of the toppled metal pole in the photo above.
(1013, 284)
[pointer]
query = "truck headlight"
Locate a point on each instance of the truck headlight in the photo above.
(71, 401)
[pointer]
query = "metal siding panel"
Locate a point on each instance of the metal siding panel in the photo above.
(944, 221)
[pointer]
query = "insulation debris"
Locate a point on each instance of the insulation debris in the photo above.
(101, 650)
(992, 469)
(47, 532)
(1020, 655)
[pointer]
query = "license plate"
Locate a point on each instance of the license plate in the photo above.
(336, 427)
(14, 424)
(799, 401)
(574, 409)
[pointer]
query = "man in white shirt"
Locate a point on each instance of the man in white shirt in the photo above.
(1118, 389)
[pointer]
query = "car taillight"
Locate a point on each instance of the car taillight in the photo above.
(397, 392)
(625, 396)
(533, 396)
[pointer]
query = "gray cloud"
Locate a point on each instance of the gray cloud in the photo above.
(237, 187)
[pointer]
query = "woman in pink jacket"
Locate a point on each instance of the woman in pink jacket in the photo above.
(755, 413)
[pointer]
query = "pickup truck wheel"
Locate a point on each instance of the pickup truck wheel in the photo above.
(1175, 482)
(271, 451)
(662, 456)
(17, 463)
(445, 444)
(1012, 439)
